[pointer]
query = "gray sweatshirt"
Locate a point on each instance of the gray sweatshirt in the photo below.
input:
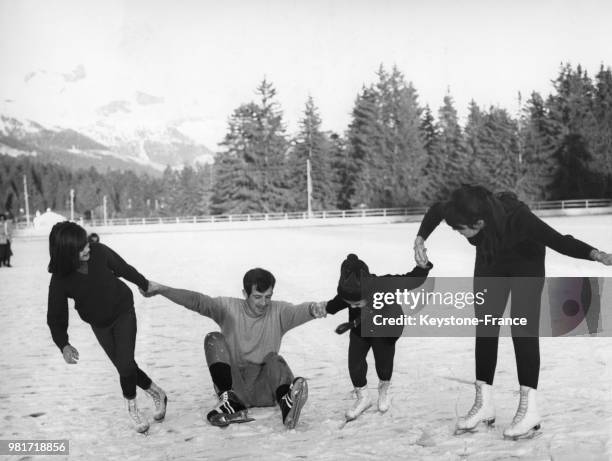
(249, 338)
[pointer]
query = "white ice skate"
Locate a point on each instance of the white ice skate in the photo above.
(483, 410)
(364, 401)
(160, 399)
(526, 422)
(140, 421)
(384, 398)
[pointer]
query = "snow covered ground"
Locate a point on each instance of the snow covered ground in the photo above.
(41, 397)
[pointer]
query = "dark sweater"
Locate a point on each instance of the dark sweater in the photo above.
(525, 236)
(99, 296)
(418, 276)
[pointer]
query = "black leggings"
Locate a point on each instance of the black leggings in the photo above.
(384, 352)
(119, 342)
(525, 288)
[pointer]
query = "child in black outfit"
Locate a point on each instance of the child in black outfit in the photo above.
(352, 272)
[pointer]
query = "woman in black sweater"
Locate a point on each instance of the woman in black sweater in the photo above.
(350, 295)
(510, 244)
(89, 274)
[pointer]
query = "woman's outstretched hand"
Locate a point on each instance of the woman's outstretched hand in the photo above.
(420, 252)
(600, 256)
(71, 355)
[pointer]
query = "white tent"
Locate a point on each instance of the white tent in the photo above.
(47, 219)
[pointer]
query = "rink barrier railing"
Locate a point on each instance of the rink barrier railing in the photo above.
(323, 215)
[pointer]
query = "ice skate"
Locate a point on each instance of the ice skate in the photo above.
(364, 401)
(140, 421)
(160, 399)
(230, 409)
(384, 398)
(526, 422)
(483, 410)
(292, 402)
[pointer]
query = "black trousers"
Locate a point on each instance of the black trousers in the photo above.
(119, 342)
(523, 282)
(384, 352)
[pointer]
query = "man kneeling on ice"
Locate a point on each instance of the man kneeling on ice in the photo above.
(243, 358)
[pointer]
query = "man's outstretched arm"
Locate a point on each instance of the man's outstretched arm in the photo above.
(292, 316)
(192, 300)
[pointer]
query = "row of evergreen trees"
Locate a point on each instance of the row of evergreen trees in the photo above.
(176, 192)
(394, 153)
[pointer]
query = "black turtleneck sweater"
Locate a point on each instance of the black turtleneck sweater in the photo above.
(99, 296)
(525, 236)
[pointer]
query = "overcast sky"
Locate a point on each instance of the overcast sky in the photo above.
(204, 58)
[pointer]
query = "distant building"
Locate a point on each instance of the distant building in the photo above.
(47, 219)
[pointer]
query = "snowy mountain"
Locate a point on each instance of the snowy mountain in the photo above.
(101, 146)
(58, 117)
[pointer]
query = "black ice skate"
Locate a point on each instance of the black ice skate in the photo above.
(229, 410)
(292, 402)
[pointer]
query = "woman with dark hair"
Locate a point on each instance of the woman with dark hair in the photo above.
(510, 246)
(89, 274)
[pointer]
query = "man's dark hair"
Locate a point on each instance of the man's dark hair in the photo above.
(261, 278)
(470, 203)
(66, 241)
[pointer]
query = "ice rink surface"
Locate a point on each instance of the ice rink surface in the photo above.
(41, 397)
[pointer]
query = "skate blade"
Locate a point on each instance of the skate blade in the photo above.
(489, 423)
(143, 432)
(353, 418)
(532, 433)
(300, 395)
(224, 420)
(161, 417)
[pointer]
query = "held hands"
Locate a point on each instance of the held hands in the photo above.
(317, 310)
(153, 289)
(420, 252)
(71, 355)
(600, 256)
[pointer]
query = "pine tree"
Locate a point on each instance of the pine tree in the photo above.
(404, 145)
(361, 143)
(452, 150)
(474, 135)
(602, 139)
(253, 166)
(233, 191)
(339, 162)
(502, 150)
(311, 144)
(573, 107)
(271, 151)
(539, 135)
(434, 168)
(385, 144)
(171, 192)
(492, 148)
